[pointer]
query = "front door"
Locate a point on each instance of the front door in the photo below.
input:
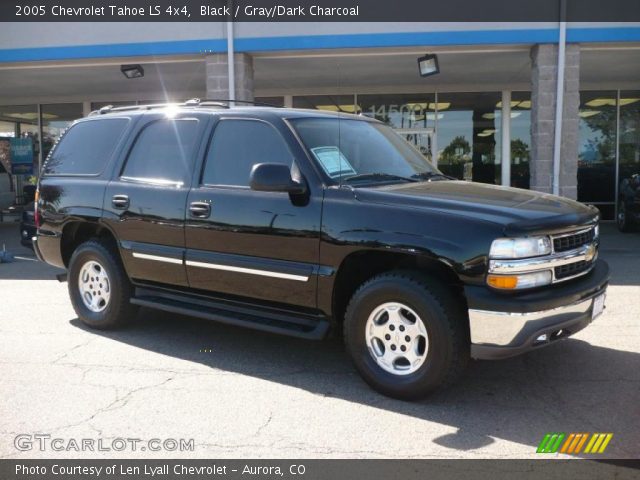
(145, 202)
(249, 244)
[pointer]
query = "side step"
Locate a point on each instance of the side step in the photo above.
(283, 322)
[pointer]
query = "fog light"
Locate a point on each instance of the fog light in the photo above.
(25, 233)
(542, 338)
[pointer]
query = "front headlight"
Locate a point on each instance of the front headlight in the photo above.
(510, 248)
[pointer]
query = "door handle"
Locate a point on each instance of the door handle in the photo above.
(200, 209)
(120, 202)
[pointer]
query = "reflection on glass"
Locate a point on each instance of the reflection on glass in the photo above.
(467, 133)
(18, 121)
(629, 133)
(55, 120)
(520, 138)
(413, 115)
(273, 101)
(597, 150)
(330, 103)
(99, 105)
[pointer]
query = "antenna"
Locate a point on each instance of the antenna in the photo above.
(339, 127)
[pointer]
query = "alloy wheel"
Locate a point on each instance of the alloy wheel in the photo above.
(397, 338)
(94, 286)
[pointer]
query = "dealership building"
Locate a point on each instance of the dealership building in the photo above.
(493, 113)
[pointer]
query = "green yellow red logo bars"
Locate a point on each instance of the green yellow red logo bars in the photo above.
(573, 443)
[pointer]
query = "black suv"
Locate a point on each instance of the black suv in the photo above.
(306, 223)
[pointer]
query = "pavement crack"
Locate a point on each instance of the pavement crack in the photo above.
(118, 403)
(71, 350)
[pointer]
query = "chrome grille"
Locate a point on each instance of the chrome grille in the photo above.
(571, 241)
(574, 254)
(571, 269)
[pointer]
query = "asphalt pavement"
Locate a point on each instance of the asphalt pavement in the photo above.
(243, 394)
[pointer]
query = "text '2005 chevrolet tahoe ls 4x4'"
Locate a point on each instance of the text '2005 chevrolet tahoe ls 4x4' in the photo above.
(306, 223)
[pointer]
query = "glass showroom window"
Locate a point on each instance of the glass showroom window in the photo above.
(520, 138)
(55, 120)
(629, 134)
(468, 131)
(330, 103)
(17, 122)
(274, 101)
(99, 105)
(597, 150)
(413, 115)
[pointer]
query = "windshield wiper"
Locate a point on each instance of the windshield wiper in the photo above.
(431, 175)
(378, 176)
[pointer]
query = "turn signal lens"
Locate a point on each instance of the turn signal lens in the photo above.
(503, 281)
(518, 282)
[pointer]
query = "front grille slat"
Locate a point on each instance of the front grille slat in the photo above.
(571, 269)
(571, 242)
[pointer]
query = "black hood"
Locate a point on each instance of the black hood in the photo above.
(518, 211)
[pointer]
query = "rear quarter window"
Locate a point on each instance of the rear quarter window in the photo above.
(86, 147)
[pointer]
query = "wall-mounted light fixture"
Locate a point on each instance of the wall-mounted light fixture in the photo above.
(428, 65)
(132, 71)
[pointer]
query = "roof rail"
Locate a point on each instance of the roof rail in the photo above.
(207, 101)
(193, 102)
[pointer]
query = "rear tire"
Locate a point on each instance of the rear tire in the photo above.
(424, 360)
(99, 288)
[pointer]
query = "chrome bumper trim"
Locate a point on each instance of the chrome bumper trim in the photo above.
(505, 329)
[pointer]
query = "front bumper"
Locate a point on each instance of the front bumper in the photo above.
(503, 326)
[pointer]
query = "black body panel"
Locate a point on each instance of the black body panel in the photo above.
(287, 249)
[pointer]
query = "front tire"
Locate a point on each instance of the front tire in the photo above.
(406, 334)
(99, 288)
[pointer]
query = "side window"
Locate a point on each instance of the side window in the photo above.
(238, 145)
(163, 152)
(86, 147)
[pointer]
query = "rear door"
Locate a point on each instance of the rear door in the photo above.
(145, 201)
(246, 243)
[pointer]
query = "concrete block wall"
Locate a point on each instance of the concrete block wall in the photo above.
(544, 75)
(218, 80)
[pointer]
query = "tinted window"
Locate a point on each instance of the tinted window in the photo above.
(348, 148)
(163, 152)
(86, 147)
(238, 145)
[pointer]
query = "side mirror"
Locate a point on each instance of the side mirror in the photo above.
(274, 177)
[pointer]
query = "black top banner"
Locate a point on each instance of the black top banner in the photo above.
(320, 10)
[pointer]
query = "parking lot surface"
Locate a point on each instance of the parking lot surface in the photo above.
(239, 393)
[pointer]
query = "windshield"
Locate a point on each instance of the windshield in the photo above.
(357, 151)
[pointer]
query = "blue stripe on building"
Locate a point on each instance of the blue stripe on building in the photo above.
(307, 42)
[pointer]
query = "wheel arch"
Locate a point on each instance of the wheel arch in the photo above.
(77, 232)
(360, 266)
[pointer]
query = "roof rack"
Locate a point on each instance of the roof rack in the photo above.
(193, 102)
(227, 101)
